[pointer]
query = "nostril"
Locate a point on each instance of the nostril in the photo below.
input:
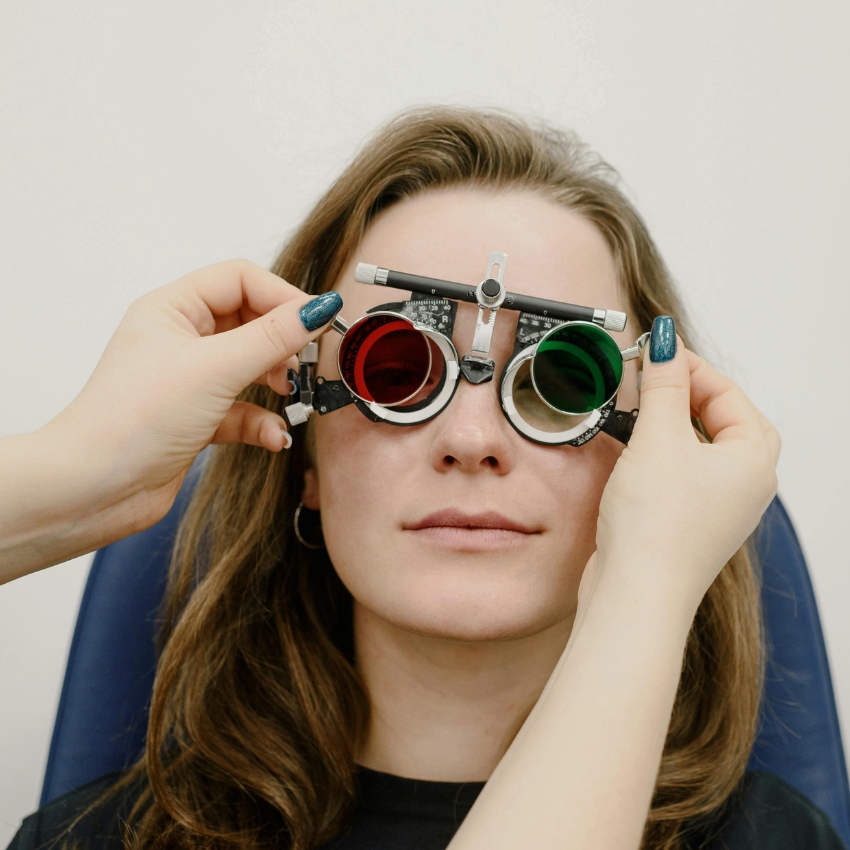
(489, 461)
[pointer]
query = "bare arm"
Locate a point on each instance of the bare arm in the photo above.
(582, 769)
(51, 507)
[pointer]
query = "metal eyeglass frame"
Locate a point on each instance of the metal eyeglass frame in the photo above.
(431, 310)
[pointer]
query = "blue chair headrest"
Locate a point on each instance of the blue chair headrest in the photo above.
(799, 738)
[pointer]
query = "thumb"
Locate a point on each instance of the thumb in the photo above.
(252, 349)
(665, 391)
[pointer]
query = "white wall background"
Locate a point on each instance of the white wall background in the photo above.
(141, 140)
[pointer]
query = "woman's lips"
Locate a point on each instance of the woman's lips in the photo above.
(455, 529)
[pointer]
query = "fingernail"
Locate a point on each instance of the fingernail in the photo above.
(287, 438)
(320, 310)
(292, 377)
(662, 340)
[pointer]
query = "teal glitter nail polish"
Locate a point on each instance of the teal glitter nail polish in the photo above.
(662, 340)
(320, 310)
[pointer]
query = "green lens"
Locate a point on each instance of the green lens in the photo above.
(534, 411)
(577, 368)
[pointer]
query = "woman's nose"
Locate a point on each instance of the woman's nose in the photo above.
(471, 434)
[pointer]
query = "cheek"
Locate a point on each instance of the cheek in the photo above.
(585, 473)
(361, 471)
(369, 479)
(574, 485)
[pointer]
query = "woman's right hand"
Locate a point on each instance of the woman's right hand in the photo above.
(674, 503)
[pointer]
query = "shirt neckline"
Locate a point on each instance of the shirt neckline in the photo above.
(386, 793)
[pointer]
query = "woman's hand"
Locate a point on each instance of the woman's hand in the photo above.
(112, 462)
(676, 504)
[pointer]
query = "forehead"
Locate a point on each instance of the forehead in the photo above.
(552, 252)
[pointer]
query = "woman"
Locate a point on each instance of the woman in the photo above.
(359, 694)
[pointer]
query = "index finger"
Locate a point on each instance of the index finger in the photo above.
(225, 289)
(723, 407)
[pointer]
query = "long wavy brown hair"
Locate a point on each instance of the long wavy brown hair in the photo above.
(257, 708)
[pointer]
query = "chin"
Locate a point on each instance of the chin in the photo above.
(476, 614)
(465, 597)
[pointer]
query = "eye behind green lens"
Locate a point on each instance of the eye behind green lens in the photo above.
(577, 368)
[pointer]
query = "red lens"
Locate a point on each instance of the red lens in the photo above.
(434, 380)
(384, 359)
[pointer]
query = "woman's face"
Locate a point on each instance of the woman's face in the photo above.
(381, 488)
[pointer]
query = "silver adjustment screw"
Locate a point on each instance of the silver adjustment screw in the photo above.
(365, 273)
(614, 320)
(298, 413)
(310, 353)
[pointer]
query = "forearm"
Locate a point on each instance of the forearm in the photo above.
(54, 505)
(582, 769)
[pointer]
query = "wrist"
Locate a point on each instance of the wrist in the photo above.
(644, 585)
(56, 501)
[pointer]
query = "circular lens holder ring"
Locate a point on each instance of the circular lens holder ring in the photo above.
(591, 329)
(344, 352)
(395, 416)
(575, 435)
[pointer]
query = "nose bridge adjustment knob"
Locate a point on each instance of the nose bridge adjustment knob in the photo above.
(491, 287)
(490, 293)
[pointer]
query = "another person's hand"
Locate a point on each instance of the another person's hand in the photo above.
(675, 504)
(167, 382)
(113, 461)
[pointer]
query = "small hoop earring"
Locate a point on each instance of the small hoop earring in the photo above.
(298, 534)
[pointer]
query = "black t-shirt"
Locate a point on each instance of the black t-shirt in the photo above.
(394, 813)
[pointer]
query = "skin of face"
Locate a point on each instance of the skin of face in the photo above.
(372, 481)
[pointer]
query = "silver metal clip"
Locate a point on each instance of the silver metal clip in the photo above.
(477, 367)
(299, 412)
(637, 349)
(490, 295)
